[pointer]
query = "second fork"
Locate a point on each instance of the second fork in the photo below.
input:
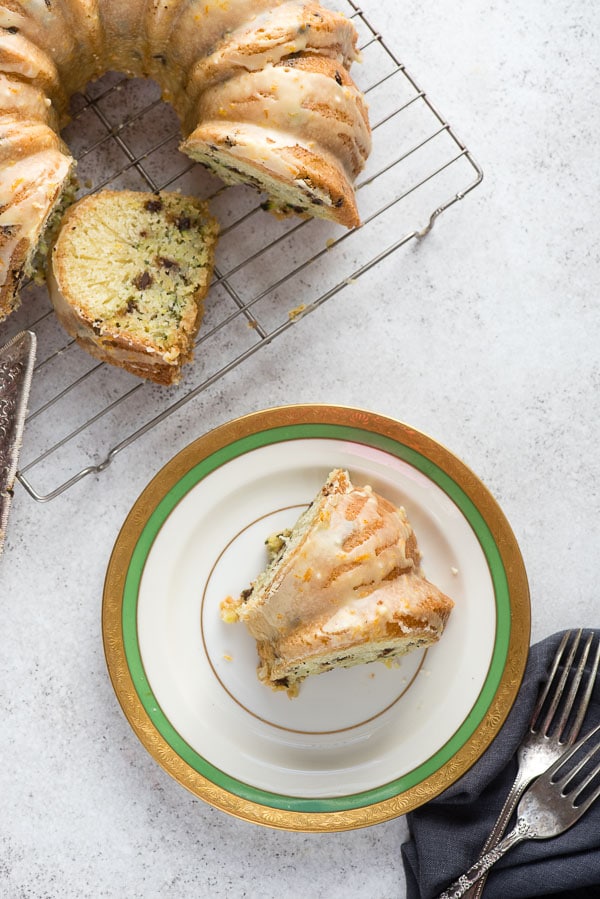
(555, 725)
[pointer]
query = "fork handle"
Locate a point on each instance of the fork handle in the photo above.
(522, 831)
(499, 828)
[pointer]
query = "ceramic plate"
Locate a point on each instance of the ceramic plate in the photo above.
(357, 746)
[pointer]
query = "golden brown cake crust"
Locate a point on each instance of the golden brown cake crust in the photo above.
(286, 32)
(346, 588)
(49, 50)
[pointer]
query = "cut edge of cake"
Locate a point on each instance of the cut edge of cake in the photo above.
(344, 587)
(134, 300)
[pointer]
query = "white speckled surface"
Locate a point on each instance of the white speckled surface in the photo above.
(486, 336)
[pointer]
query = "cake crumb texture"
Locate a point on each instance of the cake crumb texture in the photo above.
(128, 276)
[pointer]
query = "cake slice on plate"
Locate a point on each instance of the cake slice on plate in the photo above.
(344, 587)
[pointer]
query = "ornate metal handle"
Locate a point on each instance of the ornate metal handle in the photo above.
(522, 831)
(499, 828)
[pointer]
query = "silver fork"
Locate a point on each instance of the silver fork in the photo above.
(546, 809)
(546, 739)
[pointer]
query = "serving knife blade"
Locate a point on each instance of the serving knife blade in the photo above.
(16, 369)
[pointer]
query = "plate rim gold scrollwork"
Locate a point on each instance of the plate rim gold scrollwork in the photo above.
(113, 638)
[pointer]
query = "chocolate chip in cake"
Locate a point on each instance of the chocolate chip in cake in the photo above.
(183, 223)
(166, 263)
(154, 205)
(143, 280)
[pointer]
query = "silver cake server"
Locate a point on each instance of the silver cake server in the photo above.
(16, 368)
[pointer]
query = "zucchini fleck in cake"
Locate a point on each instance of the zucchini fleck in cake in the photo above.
(344, 587)
(128, 276)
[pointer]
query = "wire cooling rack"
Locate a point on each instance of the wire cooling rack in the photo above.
(269, 272)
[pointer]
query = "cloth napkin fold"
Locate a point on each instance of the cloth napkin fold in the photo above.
(447, 834)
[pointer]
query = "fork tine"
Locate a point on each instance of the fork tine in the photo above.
(558, 687)
(561, 684)
(576, 727)
(555, 768)
(584, 784)
(549, 680)
(575, 770)
(568, 704)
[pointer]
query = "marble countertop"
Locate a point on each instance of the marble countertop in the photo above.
(485, 335)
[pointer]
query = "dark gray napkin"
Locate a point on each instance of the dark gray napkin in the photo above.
(447, 834)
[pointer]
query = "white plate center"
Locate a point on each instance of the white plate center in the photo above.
(351, 729)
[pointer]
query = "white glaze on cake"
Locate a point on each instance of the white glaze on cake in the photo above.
(346, 588)
(205, 55)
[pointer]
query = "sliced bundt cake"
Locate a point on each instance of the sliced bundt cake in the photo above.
(344, 587)
(261, 89)
(128, 276)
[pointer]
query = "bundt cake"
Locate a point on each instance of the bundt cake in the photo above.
(128, 275)
(344, 587)
(261, 89)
